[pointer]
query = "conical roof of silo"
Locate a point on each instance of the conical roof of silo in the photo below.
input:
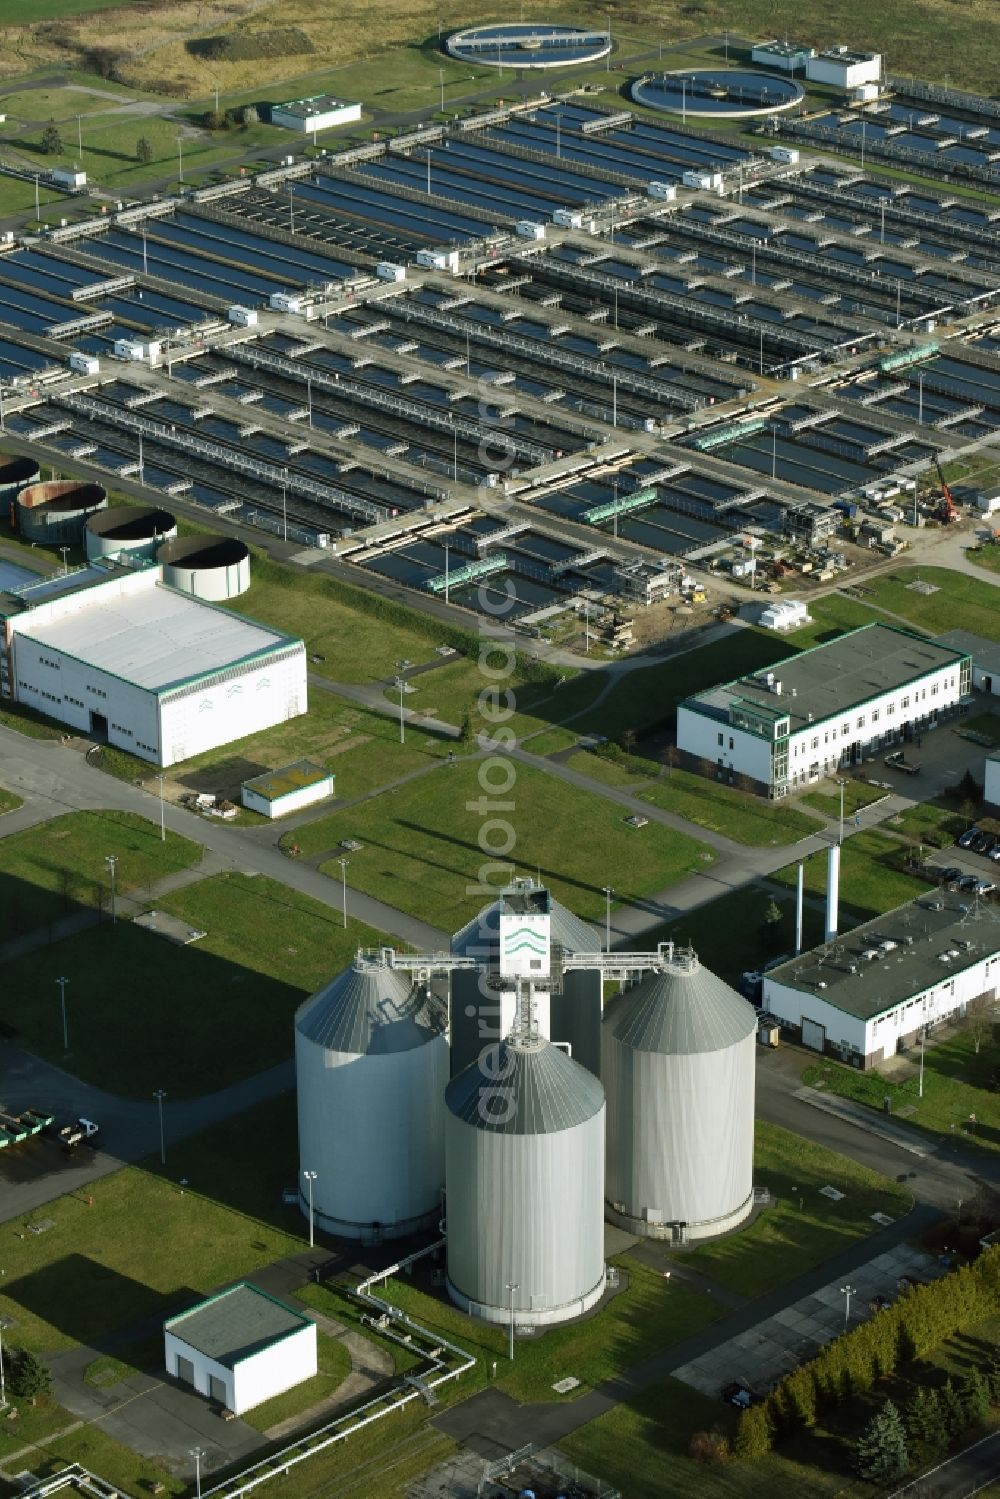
(680, 1009)
(528, 1087)
(371, 1010)
(480, 937)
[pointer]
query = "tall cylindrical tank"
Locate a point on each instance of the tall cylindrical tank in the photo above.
(136, 529)
(678, 1066)
(524, 1157)
(209, 567)
(54, 513)
(371, 1065)
(15, 473)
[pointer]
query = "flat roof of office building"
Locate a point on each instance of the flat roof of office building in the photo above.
(935, 936)
(832, 678)
(236, 1324)
(155, 639)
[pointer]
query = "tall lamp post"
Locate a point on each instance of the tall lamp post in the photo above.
(3, 1382)
(847, 1292)
(62, 995)
(111, 860)
(197, 1454)
(160, 1095)
(309, 1177)
(841, 783)
(512, 1286)
(343, 876)
(608, 893)
(400, 684)
(163, 830)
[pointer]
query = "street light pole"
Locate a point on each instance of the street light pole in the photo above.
(841, 783)
(343, 876)
(309, 1177)
(608, 893)
(847, 1291)
(3, 1382)
(62, 995)
(160, 1095)
(923, 1034)
(447, 572)
(197, 1454)
(111, 860)
(512, 1286)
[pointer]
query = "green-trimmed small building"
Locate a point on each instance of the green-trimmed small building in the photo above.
(276, 793)
(241, 1347)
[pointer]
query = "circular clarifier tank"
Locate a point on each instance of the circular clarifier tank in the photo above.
(136, 529)
(209, 567)
(15, 473)
(54, 512)
(528, 44)
(717, 93)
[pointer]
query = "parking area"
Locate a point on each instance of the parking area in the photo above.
(766, 1353)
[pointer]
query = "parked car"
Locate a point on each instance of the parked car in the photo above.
(740, 1394)
(981, 843)
(983, 887)
(964, 839)
(968, 882)
(949, 875)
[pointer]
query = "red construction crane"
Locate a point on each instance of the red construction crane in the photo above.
(947, 510)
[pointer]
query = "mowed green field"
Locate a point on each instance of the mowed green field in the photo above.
(26, 12)
(422, 851)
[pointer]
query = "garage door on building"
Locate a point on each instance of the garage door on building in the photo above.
(813, 1035)
(185, 1370)
(217, 1390)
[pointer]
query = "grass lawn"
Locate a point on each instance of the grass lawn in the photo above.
(145, 1248)
(986, 556)
(422, 852)
(58, 866)
(267, 948)
(17, 196)
(745, 818)
(740, 915)
(61, 104)
(26, 12)
(957, 1084)
(832, 615)
(651, 1314)
(857, 794)
(929, 822)
(961, 603)
(334, 1365)
(26, 721)
(802, 1228)
(868, 881)
(551, 742)
(987, 724)
(110, 141)
(8, 801)
(357, 644)
(361, 748)
(619, 770)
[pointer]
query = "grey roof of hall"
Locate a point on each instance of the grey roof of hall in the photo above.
(679, 1010)
(832, 678)
(236, 1324)
(371, 1010)
(924, 929)
(480, 937)
(985, 653)
(526, 1087)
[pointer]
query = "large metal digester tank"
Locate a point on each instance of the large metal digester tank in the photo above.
(678, 1065)
(371, 1063)
(524, 1156)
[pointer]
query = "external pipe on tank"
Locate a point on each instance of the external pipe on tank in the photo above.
(832, 891)
(799, 895)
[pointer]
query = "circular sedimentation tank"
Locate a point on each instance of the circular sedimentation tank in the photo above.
(717, 93)
(208, 567)
(136, 529)
(15, 474)
(524, 1170)
(371, 1064)
(54, 512)
(528, 44)
(678, 1065)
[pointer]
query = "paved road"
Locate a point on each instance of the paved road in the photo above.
(963, 1475)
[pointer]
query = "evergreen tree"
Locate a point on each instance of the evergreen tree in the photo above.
(952, 1410)
(974, 1393)
(753, 1435)
(992, 1373)
(881, 1454)
(925, 1425)
(29, 1377)
(51, 140)
(143, 151)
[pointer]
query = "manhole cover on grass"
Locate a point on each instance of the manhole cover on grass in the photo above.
(563, 1386)
(832, 1193)
(918, 587)
(882, 1219)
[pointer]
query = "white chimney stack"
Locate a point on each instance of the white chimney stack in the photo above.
(832, 890)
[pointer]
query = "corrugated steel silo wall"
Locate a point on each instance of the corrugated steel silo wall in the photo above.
(471, 1032)
(680, 1130)
(527, 1209)
(372, 1128)
(575, 1016)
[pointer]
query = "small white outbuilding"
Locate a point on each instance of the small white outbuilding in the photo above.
(241, 1347)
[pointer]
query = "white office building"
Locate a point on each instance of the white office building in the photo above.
(321, 112)
(827, 708)
(985, 658)
(991, 794)
(115, 654)
(869, 993)
(785, 57)
(240, 1348)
